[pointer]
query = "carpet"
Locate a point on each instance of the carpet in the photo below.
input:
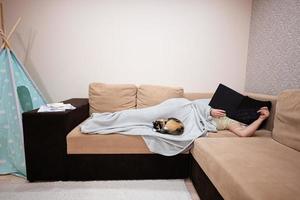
(94, 190)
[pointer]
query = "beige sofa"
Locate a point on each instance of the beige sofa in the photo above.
(266, 166)
(221, 165)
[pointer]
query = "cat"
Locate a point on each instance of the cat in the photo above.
(170, 126)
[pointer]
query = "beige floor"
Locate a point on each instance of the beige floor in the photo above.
(10, 178)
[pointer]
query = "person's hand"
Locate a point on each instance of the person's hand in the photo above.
(217, 113)
(264, 113)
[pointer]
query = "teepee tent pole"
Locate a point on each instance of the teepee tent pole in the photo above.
(11, 32)
(2, 17)
(4, 40)
(14, 28)
(2, 22)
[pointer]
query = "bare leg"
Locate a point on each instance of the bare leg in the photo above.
(248, 131)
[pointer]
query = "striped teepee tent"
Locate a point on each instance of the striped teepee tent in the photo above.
(18, 94)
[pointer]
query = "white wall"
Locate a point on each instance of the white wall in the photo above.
(66, 44)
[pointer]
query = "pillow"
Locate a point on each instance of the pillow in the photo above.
(150, 95)
(111, 97)
(287, 119)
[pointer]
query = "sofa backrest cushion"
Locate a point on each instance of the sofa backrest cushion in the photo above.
(150, 95)
(111, 97)
(197, 95)
(287, 119)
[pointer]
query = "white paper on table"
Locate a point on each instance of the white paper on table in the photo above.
(56, 107)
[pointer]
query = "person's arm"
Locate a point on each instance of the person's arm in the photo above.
(248, 131)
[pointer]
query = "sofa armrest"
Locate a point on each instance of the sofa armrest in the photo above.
(45, 140)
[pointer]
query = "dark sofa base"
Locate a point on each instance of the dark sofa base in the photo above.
(47, 160)
(127, 166)
(204, 187)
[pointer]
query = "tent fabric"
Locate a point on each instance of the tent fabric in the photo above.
(18, 94)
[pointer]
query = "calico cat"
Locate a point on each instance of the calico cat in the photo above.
(171, 126)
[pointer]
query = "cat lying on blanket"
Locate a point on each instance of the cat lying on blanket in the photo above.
(170, 126)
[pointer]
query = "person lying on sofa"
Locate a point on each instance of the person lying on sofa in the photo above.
(178, 108)
(197, 117)
(240, 129)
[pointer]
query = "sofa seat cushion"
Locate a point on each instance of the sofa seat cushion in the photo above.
(226, 133)
(79, 143)
(249, 168)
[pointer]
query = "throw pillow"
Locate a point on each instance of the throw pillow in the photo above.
(111, 97)
(150, 95)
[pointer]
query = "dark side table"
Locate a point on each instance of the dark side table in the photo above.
(45, 140)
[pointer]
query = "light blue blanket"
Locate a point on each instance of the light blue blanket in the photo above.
(195, 116)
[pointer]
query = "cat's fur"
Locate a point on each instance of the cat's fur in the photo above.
(171, 126)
